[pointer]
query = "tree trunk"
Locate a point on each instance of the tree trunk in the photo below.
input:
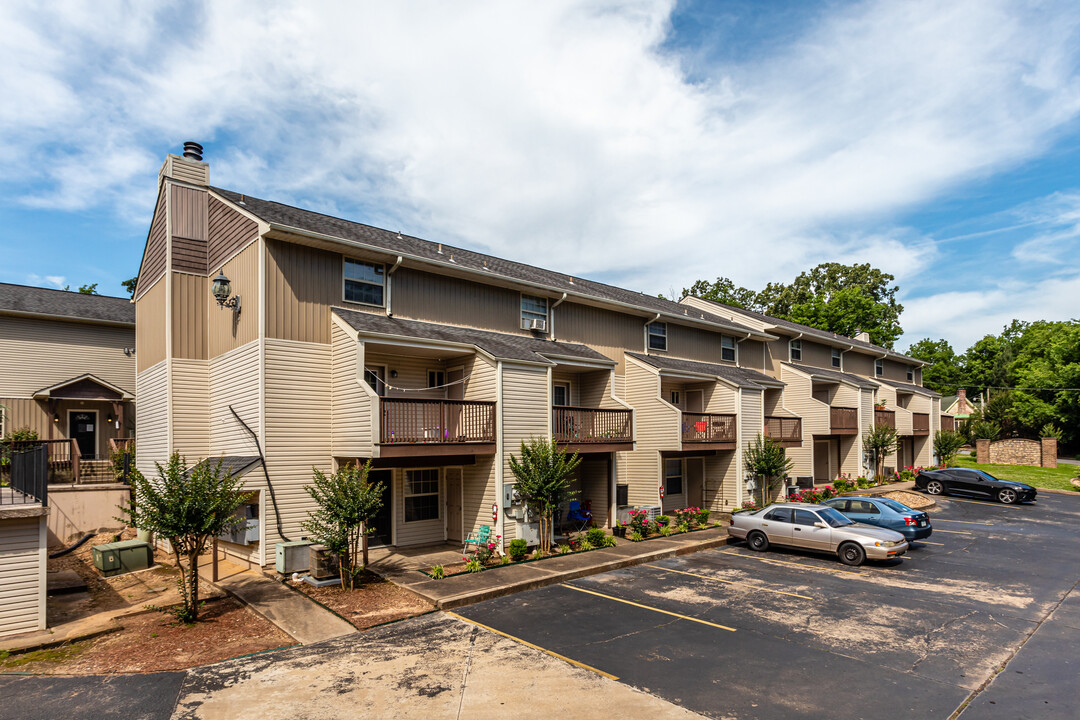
(364, 541)
(193, 568)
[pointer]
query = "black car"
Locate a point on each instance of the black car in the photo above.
(973, 482)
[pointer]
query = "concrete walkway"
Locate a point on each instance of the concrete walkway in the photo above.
(306, 621)
(469, 588)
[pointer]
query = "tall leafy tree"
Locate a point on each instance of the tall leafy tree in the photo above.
(767, 461)
(945, 373)
(543, 480)
(724, 291)
(129, 285)
(90, 289)
(346, 504)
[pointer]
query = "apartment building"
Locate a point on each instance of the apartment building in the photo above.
(840, 387)
(285, 340)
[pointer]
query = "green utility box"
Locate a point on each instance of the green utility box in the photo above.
(123, 557)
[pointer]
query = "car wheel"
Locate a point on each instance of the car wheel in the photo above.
(1007, 496)
(757, 541)
(935, 487)
(852, 554)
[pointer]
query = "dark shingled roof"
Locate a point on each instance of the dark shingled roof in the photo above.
(65, 304)
(742, 377)
(231, 464)
(500, 345)
(833, 375)
(392, 242)
(917, 389)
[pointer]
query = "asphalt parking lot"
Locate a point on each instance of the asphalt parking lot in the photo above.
(982, 619)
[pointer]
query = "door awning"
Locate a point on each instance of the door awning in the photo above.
(84, 387)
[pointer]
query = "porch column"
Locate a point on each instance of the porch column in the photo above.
(613, 473)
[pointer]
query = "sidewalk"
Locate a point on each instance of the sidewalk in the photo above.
(469, 588)
(307, 622)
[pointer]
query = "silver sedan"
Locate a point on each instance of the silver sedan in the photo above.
(819, 528)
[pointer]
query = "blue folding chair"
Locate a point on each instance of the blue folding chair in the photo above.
(579, 519)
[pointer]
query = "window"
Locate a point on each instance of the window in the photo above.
(672, 477)
(658, 336)
(436, 378)
(533, 308)
(364, 282)
(727, 348)
(560, 394)
(421, 495)
(779, 515)
(375, 376)
(795, 350)
(805, 517)
(879, 367)
(910, 374)
(675, 398)
(837, 358)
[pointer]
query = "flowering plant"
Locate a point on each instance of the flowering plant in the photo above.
(639, 522)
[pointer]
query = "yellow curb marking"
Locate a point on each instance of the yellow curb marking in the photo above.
(789, 562)
(649, 607)
(927, 542)
(609, 676)
(730, 582)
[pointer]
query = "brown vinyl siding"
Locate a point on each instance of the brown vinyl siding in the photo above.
(776, 352)
(419, 295)
(188, 217)
(150, 326)
(353, 406)
(302, 284)
(751, 354)
(156, 253)
(191, 408)
(859, 364)
(816, 354)
(693, 343)
(228, 232)
(189, 255)
(190, 303)
(609, 333)
(226, 329)
(22, 575)
(234, 380)
(151, 418)
(896, 371)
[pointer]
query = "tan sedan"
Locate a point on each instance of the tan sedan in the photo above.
(819, 528)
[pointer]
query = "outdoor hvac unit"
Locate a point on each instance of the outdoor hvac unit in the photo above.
(622, 514)
(323, 564)
(534, 324)
(246, 533)
(293, 556)
(529, 532)
(123, 557)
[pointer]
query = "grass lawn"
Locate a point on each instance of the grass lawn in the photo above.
(1055, 479)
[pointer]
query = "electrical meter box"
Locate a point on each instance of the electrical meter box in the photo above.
(123, 557)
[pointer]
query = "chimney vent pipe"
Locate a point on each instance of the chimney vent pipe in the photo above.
(193, 150)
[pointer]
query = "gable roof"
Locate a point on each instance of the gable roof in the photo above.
(823, 374)
(917, 389)
(287, 218)
(503, 346)
(740, 377)
(84, 387)
(235, 465)
(65, 305)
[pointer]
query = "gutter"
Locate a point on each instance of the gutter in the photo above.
(551, 313)
(390, 287)
(645, 330)
(67, 318)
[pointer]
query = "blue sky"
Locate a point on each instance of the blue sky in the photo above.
(648, 144)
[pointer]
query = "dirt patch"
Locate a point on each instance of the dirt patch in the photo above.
(375, 602)
(155, 642)
(915, 501)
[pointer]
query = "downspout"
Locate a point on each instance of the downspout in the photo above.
(266, 473)
(551, 314)
(500, 462)
(645, 330)
(740, 482)
(390, 286)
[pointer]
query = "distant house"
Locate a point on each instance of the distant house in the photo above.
(958, 405)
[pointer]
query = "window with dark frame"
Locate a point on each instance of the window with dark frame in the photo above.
(879, 367)
(365, 282)
(673, 477)
(675, 398)
(727, 348)
(421, 495)
(795, 350)
(837, 358)
(436, 378)
(560, 394)
(534, 308)
(658, 336)
(910, 374)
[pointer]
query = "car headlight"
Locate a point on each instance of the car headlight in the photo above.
(886, 543)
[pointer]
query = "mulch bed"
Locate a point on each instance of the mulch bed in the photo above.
(375, 602)
(156, 642)
(915, 501)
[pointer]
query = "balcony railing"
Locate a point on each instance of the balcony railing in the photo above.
(844, 421)
(920, 423)
(421, 421)
(591, 425)
(63, 457)
(783, 429)
(885, 417)
(707, 428)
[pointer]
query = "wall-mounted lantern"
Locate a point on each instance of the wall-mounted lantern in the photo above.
(221, 289)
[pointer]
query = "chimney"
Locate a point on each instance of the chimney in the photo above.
(188, 168)
(862, 335)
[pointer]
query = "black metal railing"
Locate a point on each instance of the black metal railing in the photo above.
(27, 479)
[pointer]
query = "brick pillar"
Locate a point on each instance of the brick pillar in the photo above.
(1049, 452)
(982, 450)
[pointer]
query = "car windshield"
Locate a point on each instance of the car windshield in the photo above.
(898, 506)
(834, 518)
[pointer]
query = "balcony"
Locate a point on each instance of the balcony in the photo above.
(843, 421)
(885, 417)
(920, 423)
(785, 431)
(411, 426)
(948, 422)
(707, 431)
(584, 430)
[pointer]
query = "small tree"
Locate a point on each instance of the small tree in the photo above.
(766, 460)
(188, 507)
(880, 441)
(347, 503)
(543, 480)
(946, 443)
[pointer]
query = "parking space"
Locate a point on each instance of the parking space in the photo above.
(734, 633)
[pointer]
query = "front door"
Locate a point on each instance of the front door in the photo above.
(821, 460)
(695, 482)
(383, 523)
(82, 427)
(453, 504)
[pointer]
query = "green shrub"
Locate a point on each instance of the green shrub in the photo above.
(636, 536)
(665, 531)
(609, 541)
(474, 566)
(703, 516)
(518, 549)
(639, 522)
(586, 545)
(565, 549)
(684, 527)
(504, 560)
(595, 537)
(537, 554)
(437, 572)
(663, 520)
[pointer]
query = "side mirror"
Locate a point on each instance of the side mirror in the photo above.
(821, 525)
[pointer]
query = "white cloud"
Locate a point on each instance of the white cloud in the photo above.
(58, 282)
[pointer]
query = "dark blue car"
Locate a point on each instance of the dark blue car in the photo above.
(886, 513)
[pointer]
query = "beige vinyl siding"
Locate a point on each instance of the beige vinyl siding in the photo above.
(815, 419)
(619, 386)
(191, 408)
(234, 380)
(425, 296)
(190, 302)
(593, 482)
(609, 333)
(845, 396)
(721, 482)
(751, 419)
(859, 364)
(478, 494)
(412, 374)
(151, 418)
(562, 376)
(482, 374)
(186, 170)
(421, 532)
(353, 404)
(722, 398)
(526, 415)
(657, 429)
(226, 329)
(150, 326)
(155, 254)
(302, 284)
(22, 575)
(228, 232)
(27, 412)
(35, 354)
(724, 312)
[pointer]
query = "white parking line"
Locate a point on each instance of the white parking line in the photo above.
(966, 522)
(953, 532)
(730, 582)
(789, 562)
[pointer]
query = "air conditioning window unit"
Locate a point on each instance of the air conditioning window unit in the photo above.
(534, 324)
(246, 533)
(323, 564)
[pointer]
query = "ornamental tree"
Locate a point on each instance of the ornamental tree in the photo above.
(878, 442)
(347, 503)
(543, 480)
(766, 460)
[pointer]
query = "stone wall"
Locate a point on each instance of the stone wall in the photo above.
(1018, 451)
